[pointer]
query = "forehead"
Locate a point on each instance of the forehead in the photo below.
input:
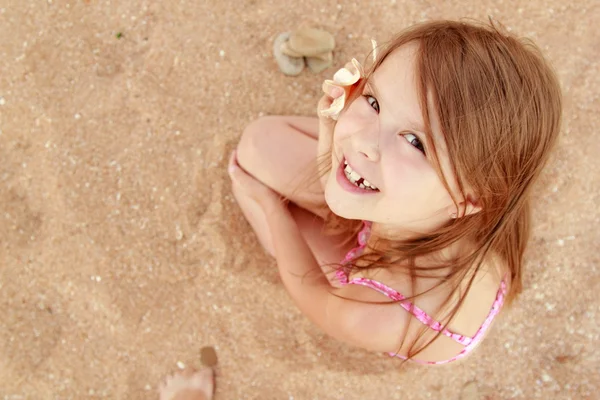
(395, 83)
(402, 59)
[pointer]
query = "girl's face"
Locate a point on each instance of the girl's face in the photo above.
(380, 137)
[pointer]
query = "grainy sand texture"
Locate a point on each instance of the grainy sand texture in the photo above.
(123, 253)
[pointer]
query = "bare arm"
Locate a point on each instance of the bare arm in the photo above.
(351, 314)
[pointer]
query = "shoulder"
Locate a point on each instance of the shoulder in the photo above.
(366, 319)
(478, 301)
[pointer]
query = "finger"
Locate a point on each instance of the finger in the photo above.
(326, 125)
(331, 89)
(329, 109)
(324, 103)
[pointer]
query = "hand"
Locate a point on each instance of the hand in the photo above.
(337, 92)
(266, 197)
(326, 124)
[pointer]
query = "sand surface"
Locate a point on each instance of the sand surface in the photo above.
(122, 252)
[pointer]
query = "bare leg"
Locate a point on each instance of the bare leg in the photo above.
(281, 153)
(256, 218)
(188, 385)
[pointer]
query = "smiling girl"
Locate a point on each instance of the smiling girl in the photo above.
(413, 238)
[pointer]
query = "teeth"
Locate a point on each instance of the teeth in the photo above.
(353, 176)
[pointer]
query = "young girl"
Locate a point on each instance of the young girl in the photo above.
(414, 236)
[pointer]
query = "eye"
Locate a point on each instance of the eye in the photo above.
(372, 102)
(413, 140)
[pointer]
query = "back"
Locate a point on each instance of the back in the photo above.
(467, 328)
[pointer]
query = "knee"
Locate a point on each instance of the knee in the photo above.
(255, 139)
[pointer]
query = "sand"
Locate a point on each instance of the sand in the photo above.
(122, 252)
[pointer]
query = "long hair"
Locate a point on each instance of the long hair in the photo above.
(499, 106)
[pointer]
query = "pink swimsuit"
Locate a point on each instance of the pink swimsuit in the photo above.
(468, 342)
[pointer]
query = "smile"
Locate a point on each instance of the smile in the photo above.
(351, 180)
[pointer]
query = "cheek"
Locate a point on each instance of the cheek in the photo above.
(413, 177)
(355, 118)
(435, 191)
(402, 168)
(404, 183)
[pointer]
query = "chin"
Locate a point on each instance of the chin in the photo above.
(336, 205)
(339, 212)
(345, 211)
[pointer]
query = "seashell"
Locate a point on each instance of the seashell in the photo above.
(335, 108)
(348, 75)
(344, 78)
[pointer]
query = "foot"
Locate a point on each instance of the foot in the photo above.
(188, 385)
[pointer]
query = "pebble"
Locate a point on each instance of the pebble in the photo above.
(319, 64)
(309, 42)
(208, 356)
(546, 377)
(290, 66)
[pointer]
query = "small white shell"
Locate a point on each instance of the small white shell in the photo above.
(374, 44)
(335, 108)
(349, 75)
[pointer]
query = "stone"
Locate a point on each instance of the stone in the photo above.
(290, 66)
(309, 42)
(208, 356)
(320, 63)
(323, 56)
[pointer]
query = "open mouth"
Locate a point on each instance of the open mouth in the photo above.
(355, 179)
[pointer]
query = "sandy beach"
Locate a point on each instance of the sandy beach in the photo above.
(122, 251)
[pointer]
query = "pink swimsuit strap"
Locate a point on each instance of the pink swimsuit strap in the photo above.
(422, 316)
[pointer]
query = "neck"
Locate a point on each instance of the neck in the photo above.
(394, 232)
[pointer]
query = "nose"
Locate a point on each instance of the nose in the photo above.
(366, 143)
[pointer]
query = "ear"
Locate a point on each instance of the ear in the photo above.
(468, 207)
